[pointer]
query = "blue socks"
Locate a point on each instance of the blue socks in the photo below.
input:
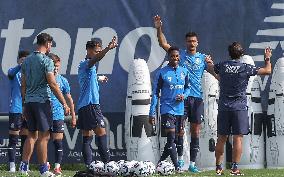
(13, 140)
(194, 148)
(234, 165)
(102, 148)
(86, 149)
(58, 151)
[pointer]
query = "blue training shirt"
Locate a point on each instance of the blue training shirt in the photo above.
(234, 77)
(196, 65)
(88, 83)
(171, 81)
(35, 67)
(57, 107)
(14, 75)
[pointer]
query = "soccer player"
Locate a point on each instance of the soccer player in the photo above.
(37, 82)
(58, 114)
(17, 125)
(90, 117)
(232, 110)
(196, 63)
(173, 83)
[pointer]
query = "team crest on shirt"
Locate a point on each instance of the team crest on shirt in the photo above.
(170, 79)
(197, 61)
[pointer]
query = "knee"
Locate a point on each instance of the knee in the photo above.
(100, 131)
(58, 144)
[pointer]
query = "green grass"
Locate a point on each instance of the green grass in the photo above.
(256, 173)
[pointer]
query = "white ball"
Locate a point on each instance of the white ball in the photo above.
(165, 168)
(151, 167)
(97, 166)
(140, 169)
(126, 169)
(111, 168)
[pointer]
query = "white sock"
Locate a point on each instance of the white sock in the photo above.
(192, 163)
(12, 165)
(57, 165)
(180, 157)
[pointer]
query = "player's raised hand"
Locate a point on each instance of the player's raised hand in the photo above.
(103, 78)
(113, 44)
(267, 53)
(208, 59)
(152, 120)
(157, 22)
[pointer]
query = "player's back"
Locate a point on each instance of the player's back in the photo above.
(35, 67)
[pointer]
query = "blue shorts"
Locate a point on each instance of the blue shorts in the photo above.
(57, 126)
(39, 116)
(16, 122)
(194, 109)
(90, 117)
(233, 122)
(169, 121)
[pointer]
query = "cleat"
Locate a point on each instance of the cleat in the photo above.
(179, 170)
(236, 172)
(23, 174)
(219, 172)
(57, 171)
(47, 174)
(180, 163)
(193, 169)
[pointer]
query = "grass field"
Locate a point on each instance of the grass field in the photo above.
(253, 173)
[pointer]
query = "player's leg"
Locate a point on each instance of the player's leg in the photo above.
(57, 137)
(168, 124)
(196, 108)
(240, 127)
(86, 123)
(101, 136)
(223, 130)
(14, 129)
(179, 139)
(44, 124)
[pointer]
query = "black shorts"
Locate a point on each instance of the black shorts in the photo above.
(16, 122)
(233, 122)
(169, 121)
(57, 126)
(90, 117)
(194, 109)
(39, 116)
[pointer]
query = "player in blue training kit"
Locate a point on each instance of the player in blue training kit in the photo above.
(173, 82)
(90, 117)
(232, 110)
(17, 125)
(196, 63)
(58, 116)
(37, 82)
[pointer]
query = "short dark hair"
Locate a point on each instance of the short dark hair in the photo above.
(235, 50)
(43, 38)
(172, 48)
(93, 43)
(54, 57)
(23, 53)
(191, 34)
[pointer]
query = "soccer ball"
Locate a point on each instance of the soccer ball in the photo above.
(151, 167)
(165, 168)
(97, 167)
(140, 169)
(127, 168)
(111, 168)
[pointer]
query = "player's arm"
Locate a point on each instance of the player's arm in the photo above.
(155, 95)
(186, 86)
(267, 68)
(160, 35)
(13, 71)
(72, 108)
(216, 69)
(23, 87)
(56, 91)
(210, 66)
(113, 44)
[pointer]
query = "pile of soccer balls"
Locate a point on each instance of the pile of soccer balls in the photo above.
(131, 168)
